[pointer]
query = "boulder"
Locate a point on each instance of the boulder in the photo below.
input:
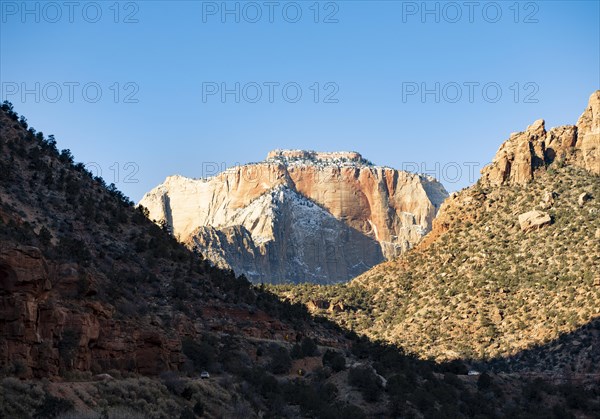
(583, 198)
(102, 377)
(336, 308)
(314, 305)
(534, 220)
(548, 200)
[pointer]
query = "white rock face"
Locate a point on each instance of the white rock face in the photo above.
(300, 215)
(307, 244)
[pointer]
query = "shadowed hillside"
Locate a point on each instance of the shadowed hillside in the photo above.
(572, 356)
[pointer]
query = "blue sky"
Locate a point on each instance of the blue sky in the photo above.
(361, 67)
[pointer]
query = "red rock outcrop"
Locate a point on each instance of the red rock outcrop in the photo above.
(524, 153)
(588, 135)
(41, 335)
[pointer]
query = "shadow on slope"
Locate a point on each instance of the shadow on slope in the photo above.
(570, 355)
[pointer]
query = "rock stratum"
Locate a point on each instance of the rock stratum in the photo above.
(299, 216)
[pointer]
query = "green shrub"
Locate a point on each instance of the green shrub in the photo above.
(199, 408)
(68, 346)
(280, 360)
(335, 360)
(484, 382)
(52, 406)
(367, 382)
(202, 354)
(309, 347)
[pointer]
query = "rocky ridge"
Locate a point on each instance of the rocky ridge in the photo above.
(526, 154)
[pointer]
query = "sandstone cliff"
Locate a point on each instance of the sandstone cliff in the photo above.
(528, 152)
(88, 336)
(299, 215)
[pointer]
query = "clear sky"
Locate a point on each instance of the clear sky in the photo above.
(361, 67)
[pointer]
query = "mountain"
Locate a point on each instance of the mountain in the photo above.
(299, 216)
(511, 264)
(104, 314)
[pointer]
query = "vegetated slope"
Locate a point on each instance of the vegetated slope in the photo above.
(485, 287)
(335, 207)
(89, 285)
(479, 286)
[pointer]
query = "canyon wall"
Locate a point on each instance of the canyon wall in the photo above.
(299, 215)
